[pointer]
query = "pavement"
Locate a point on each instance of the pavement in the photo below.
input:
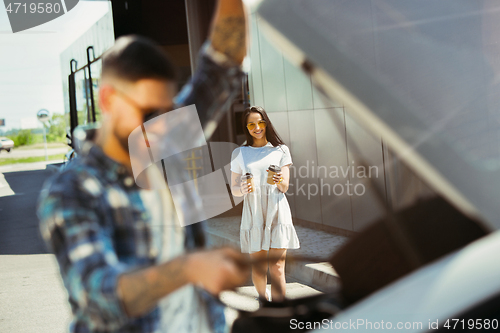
(21, 153)
(317, 274)
(19, 191)
(53, 165)
(33, 299)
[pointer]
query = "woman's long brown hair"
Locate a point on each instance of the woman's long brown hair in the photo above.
(271, 134)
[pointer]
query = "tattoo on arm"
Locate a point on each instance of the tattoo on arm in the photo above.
(141, 290)
(228, 37)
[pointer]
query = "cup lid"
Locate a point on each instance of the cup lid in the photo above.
(274, 168)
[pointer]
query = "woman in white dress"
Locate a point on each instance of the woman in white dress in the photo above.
(267, 230)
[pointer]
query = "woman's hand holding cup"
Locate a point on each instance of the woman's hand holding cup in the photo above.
(246, 187)
(278, 177)
(246, 183)
(274, 175)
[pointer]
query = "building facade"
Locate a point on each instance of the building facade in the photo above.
(332, 186)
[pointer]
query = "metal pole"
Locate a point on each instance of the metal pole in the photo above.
(87, 96)
(91, 84)
(73, 114)
(45, 143)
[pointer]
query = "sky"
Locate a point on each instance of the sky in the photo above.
(30, 75)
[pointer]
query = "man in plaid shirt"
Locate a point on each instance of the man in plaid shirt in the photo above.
(117, 261)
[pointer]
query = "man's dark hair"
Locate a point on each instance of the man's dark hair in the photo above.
(133, 58)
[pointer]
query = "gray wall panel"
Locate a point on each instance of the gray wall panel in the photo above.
(332, 157)
(255, 75)
(303, 150)
(404, 188)
(303, 118)
(298, 88)
(320, 102)
(273, 76)
(281, 124)
(365, 207)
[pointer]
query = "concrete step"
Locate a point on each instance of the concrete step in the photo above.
(225, 231)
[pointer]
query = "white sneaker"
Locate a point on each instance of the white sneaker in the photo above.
(268, 295)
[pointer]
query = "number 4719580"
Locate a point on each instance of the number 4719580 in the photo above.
(33, 8)
(471, 324)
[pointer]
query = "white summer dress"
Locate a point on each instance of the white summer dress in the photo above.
(266, 221)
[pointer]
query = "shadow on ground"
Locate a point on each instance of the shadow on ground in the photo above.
(19, 233)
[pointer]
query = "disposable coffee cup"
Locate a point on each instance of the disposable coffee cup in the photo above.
(248, 178)
(272, 170)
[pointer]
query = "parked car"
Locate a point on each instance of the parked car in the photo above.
(6, 144)
(423, 77)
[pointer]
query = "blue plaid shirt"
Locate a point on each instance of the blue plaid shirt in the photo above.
(95, 241)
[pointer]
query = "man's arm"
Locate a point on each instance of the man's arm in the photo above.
(215, 271)
(94, 277)
(218, 76)
(228, 34)
(213, 85)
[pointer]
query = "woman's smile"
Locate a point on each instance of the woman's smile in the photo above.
(257, 128)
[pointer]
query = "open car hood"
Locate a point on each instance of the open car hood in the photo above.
(424, 75)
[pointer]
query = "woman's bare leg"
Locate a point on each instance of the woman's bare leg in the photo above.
(277, 269)
(259, 272)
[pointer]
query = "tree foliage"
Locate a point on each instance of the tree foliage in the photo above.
(55, 131)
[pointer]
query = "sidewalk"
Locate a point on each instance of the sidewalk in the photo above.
(22, 153)
(320, 244)
(54, 164)
(32, 296)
